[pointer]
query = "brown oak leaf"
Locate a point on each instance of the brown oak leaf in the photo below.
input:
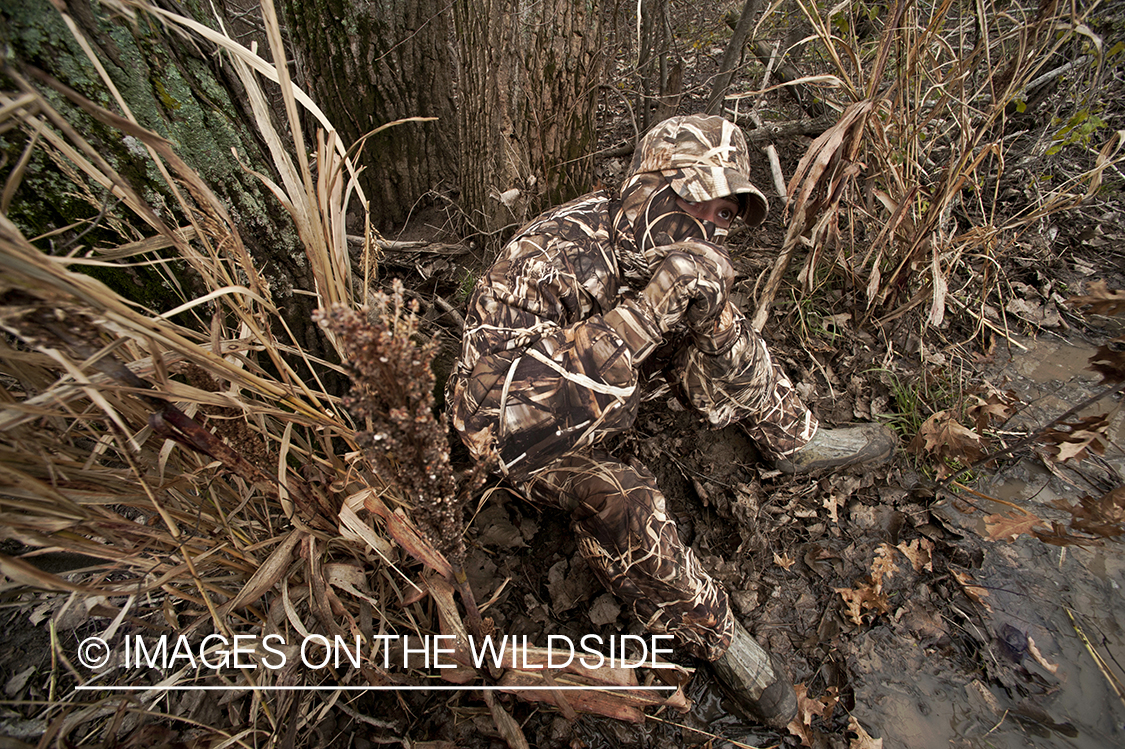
(1103, 517)
(863, 739)
(990, 405)
(1110, 364)
(1009, 527)
(919, 552)
(883, 566)
(863, 598)
(943, 436)
(809, 708)
(1075, 440)
(1100, 299)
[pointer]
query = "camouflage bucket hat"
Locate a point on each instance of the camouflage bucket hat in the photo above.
(704, 158)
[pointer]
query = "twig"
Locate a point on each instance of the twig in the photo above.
(1005, 715)
(415, 245)
(1114, 682)
(732, 742)
(770, 149)
(988, 324)
(1032, 85)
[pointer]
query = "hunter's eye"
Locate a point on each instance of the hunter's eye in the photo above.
(726, 214)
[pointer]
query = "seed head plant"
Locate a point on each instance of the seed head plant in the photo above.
(392, 389)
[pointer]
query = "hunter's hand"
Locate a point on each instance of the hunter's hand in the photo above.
(690, 284)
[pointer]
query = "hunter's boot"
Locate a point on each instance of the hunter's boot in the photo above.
(833, 448)
(760, 689)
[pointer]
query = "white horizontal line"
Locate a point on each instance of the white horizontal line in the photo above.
(296, 688)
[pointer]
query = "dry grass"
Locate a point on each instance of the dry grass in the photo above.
(192, 455)
(923, 185)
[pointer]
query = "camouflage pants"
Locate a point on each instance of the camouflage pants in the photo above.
(619, 515)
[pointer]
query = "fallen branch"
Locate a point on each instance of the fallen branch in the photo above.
(417, 245)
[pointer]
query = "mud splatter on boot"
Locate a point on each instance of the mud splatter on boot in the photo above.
(834, 448)
(760, 690)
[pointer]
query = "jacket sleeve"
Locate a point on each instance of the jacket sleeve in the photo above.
(541, 372)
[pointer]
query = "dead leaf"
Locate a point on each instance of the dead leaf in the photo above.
(883, 566)
(801, 731)
(1058, 536)
(1103, 517)
(989, 406)
(919, 552)
(1011, 526)
(815, 707)
(942, 436)
(973, 591)
(1110, 364)
(1074, 440)
(832, 503)
(809, 708)
(507, 726)
(1044, 315)
(863, 739)
(402, 530)
(783, 560)
(1100, 299)
(864, 598)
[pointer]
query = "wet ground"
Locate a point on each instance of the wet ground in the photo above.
(893, 612)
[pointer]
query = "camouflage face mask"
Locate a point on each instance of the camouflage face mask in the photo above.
(651, 218)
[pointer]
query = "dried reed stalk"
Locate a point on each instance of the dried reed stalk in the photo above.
(191, 456)
(936, 87)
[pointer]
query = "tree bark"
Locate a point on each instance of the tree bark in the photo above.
(176, 88)
(653, 51)
(368, 63)
(529, 75)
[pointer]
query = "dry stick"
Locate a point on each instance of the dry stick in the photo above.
(732, 742)
(730, 57)
(1114, 682)
(802, 93)
(472, 611)
(770, 149)
(774, 281)
(1111, 390)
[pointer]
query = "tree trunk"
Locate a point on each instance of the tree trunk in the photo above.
(368, 63)
(529, 77)
(653, 50)
(176, 88)
(731, 56)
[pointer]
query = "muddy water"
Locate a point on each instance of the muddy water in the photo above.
(922, 698)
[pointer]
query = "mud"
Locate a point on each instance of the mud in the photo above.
(973, 643)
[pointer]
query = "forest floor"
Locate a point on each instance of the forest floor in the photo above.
(890, 605)
(899, 612)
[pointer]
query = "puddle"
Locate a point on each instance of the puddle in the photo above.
(1057, 602)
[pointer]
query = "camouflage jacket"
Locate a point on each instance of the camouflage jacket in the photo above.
(541, 373)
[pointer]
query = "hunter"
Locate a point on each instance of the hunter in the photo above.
(582, 312)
